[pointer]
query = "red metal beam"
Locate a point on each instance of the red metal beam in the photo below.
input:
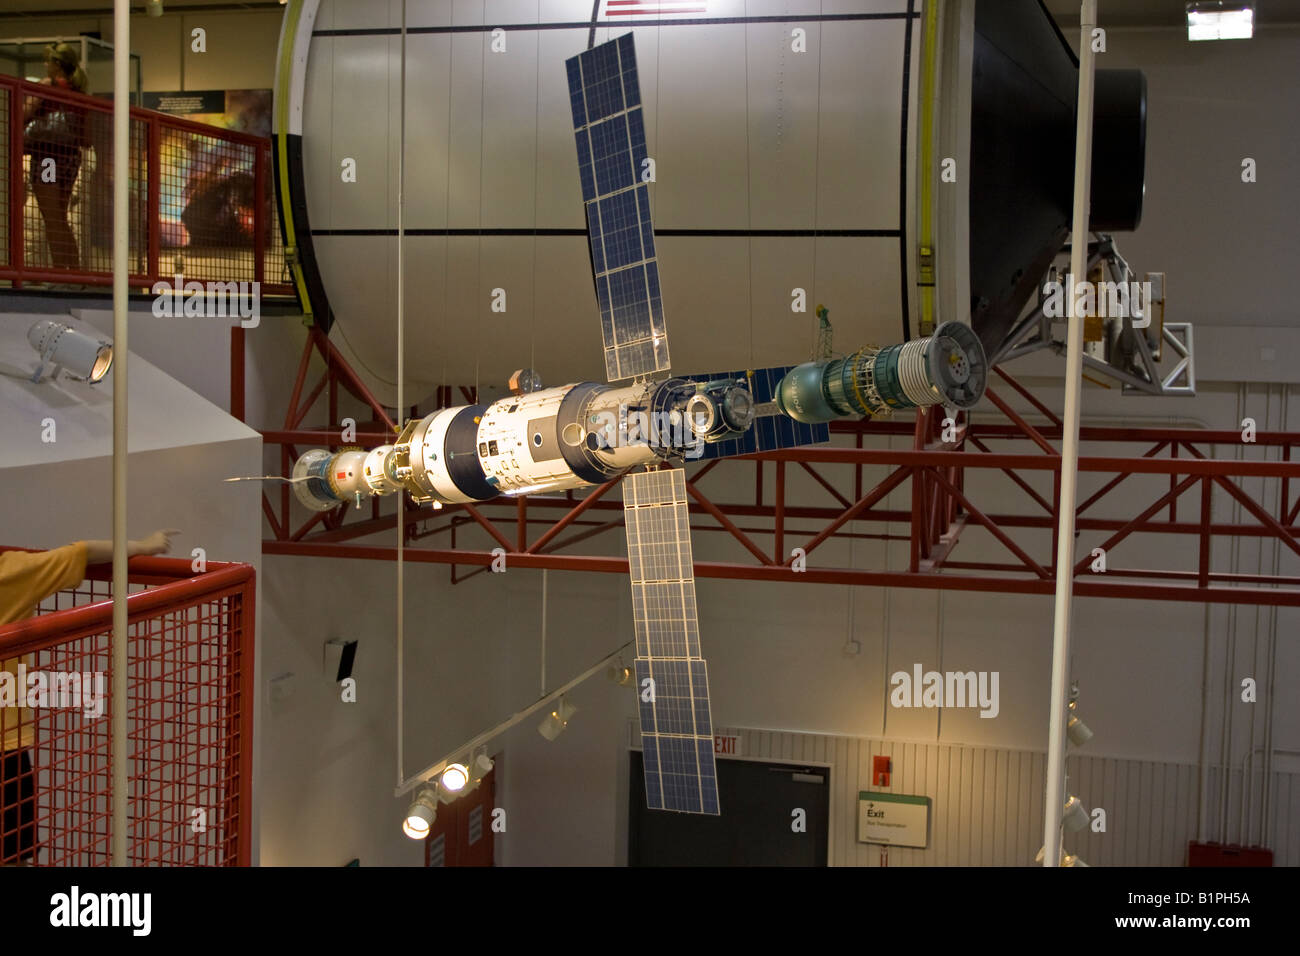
(778, 573)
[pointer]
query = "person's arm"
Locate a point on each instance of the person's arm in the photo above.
(101, 552)
(33, 104)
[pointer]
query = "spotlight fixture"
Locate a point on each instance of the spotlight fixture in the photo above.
(1074, 817)
(557, 719)
(154, 7)
(620, 674)
(455, 777)
(421, 814)
(1076, 729)
(1216, 20)
(480, 766)
(82, 355)
(1067, 859)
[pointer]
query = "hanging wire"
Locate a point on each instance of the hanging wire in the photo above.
(537, 162)
(446, 199)
(817, 170)
(482, 134)
(749, 199)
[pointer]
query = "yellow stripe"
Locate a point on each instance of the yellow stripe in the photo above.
(927, 159)
(283, 82)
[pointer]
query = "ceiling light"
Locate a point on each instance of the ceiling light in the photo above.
(83, 356)
(620, 674)
(1208, 20)
(421, 814)
(455, 777)
(557, 719)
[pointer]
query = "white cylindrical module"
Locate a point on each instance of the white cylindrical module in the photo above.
(378, 480)
(346, 475)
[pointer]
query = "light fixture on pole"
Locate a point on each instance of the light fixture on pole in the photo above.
(1077, 730)
(1074, 816)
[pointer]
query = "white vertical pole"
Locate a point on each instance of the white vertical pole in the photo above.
(401, 391)
(1056, 741)
(119, 753)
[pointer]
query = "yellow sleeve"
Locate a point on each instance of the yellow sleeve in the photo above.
(29, 577)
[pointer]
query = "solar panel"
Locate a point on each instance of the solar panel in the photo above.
(609, 130)
(676, 728)
(768, 432)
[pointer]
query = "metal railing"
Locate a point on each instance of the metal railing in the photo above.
(202, 198)
(189, 725)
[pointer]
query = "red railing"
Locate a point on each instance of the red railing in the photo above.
(190, 729)
(201, 197)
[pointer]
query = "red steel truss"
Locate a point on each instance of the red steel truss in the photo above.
(543, 531)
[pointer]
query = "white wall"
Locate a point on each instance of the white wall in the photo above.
(181, 447)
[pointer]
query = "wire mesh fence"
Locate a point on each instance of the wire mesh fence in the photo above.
(189, 687)
(201, 198)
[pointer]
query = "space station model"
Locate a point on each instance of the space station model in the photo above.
(579, 435)
(574, 436)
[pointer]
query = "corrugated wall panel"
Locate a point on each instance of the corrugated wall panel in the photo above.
(987, 802)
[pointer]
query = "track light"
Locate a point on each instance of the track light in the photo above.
(455, 777)
(620, 675)
(557, 719)
(1216, 20)
(1074, 817)
(480, 766)
(421, 814)
(82, 355)
(1076, 729)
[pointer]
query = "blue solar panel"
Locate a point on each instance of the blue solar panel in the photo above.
(769, 432)
(676, 727)
(609, 131)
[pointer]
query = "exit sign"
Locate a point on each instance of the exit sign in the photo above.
(726, 745)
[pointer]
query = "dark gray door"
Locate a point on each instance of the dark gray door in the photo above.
(755, 828)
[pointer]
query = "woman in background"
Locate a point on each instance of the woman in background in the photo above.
(54, 135)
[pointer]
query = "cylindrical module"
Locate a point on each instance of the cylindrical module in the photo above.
(947, 368)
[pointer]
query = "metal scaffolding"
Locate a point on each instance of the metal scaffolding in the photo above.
(546, 531)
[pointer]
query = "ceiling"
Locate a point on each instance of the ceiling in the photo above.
(1163, 13)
